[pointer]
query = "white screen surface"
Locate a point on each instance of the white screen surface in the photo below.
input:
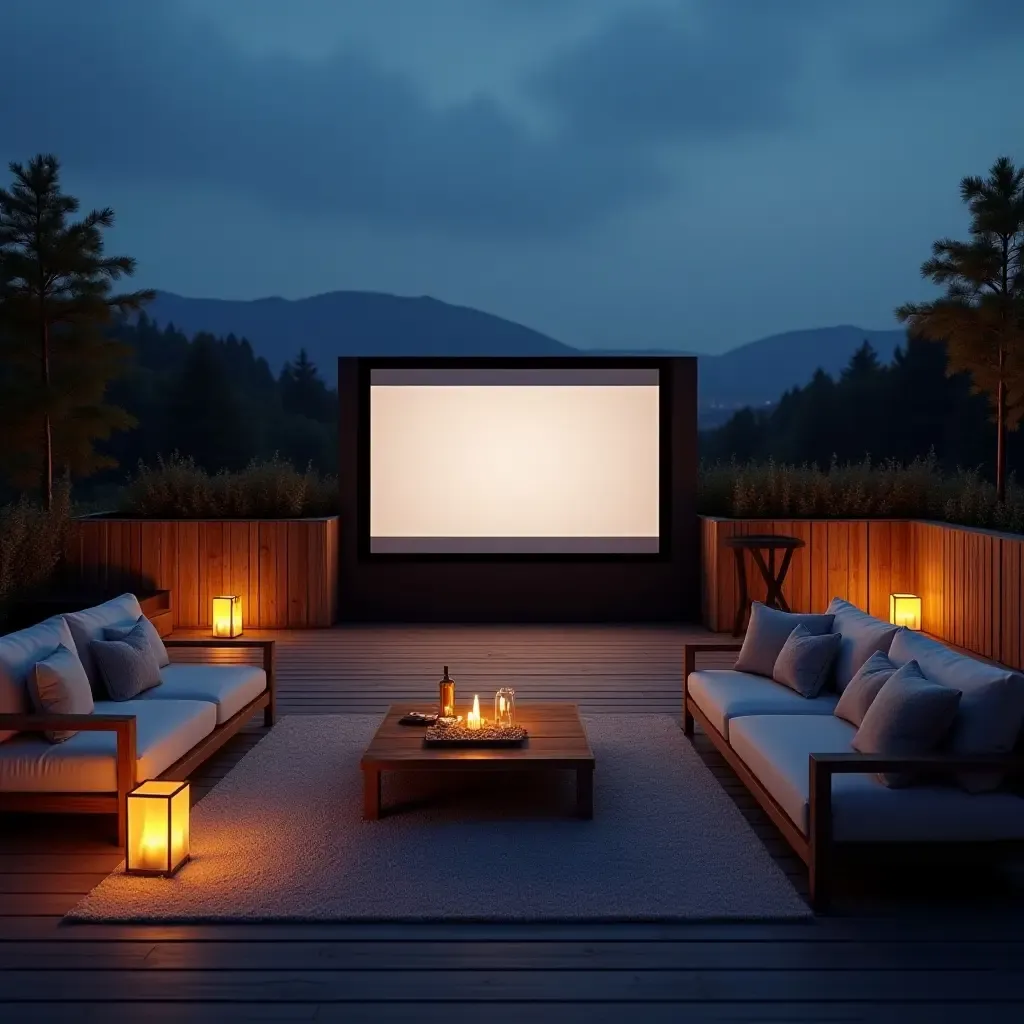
(514, 461)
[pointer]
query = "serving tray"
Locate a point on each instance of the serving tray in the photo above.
(488, 736)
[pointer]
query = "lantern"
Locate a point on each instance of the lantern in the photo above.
(227, 616)
(505, 707)
(157, 834)
(905, 610)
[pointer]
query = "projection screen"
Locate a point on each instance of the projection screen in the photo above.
(514, 461)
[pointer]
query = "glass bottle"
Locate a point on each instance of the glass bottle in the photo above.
(446, 706)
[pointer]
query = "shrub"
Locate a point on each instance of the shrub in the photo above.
(31, 544)
(857, 491)
(176, 488)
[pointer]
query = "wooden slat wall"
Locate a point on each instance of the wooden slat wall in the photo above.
(286, 571)
(970, 581)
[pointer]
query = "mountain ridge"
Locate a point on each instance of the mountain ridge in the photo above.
(333, 324)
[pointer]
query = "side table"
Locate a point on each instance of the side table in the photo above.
(757, 544)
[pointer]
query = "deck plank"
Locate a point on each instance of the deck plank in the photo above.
(924, 948)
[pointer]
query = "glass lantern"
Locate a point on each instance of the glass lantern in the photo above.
(505, 707)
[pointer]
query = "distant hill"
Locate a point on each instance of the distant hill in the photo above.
(373, 323)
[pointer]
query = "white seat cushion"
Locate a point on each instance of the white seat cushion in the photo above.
(228, 687)
(724, 694)
(86, 763)
(19, 653)
(777, 749)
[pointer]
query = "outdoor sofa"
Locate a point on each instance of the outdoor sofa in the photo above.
(163, 733)
(797, 758)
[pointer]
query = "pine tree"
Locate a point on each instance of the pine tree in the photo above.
(56, 303)
(981, 314)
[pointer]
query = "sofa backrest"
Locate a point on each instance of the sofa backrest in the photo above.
(88, 625)
(19, 652)
(991, 713)
(863, 634)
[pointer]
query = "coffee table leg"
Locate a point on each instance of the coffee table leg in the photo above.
(585, 792)
(371, 794)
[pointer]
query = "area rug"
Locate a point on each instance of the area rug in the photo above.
(282, 838)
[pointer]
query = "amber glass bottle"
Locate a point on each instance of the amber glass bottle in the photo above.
(446, 707)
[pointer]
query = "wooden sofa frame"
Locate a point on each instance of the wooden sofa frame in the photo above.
(817, 849)
(124, 726)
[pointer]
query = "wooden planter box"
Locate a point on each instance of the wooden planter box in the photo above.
(969, 580)
(285, 570)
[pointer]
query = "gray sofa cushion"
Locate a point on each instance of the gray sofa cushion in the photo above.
(127, 666)
(863, 688)
(87, 763)
(60, 686)
(19, 652)
(805, 662)
(228, 687)
(724, 694)
(153, 638)
(863, 634)
(88, 625)
(768, 632)
(777, 749)
(911, 715)
(991, 711)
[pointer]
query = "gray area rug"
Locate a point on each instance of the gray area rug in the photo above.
(282, 838)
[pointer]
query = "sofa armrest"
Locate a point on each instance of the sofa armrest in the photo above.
(691, 650)
(122, 725)
(268, 647)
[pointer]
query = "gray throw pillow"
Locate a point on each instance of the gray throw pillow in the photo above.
(156, 644)
(863, 688)
(911, 715)
(805, 661)
(58, 684)
(767, 634)
(128, 666)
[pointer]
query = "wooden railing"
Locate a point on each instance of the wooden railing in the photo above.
(969, 580)
(285, 570)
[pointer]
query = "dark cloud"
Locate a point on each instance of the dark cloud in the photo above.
(137, 91)
(679, 70)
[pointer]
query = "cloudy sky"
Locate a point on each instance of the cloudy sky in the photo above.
(686, 173)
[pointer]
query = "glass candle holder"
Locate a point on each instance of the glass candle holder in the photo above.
(505, 707)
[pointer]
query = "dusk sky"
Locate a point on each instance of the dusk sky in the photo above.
(678, 173)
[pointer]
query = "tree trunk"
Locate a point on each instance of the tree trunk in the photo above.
(1001, 439)
(47, 469)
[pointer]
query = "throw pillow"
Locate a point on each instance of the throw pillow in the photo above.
(153, 639)
(805, 661)
(58, 684)
(767, 634)
(128, 666)
(863, 688)
(863, 634)
(911, 715)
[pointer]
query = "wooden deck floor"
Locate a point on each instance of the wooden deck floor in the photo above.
(905, 944)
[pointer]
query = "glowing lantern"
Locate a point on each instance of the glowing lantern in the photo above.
(157, 842)
(905, 610)
(227, 616)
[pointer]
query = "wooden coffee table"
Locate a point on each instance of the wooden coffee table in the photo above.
(556, 740)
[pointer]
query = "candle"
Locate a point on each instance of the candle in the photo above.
(473, 718)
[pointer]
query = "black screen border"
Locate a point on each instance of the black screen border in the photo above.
(366, 366)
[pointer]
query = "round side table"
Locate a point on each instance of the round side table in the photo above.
(758, 544)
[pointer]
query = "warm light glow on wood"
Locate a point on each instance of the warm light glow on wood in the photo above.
(227, 616)
(905, 610)
(473, 718)
(158, 828)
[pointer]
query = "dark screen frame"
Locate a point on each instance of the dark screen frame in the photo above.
(366, 367)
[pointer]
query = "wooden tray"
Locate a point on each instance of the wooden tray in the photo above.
(460, 736)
